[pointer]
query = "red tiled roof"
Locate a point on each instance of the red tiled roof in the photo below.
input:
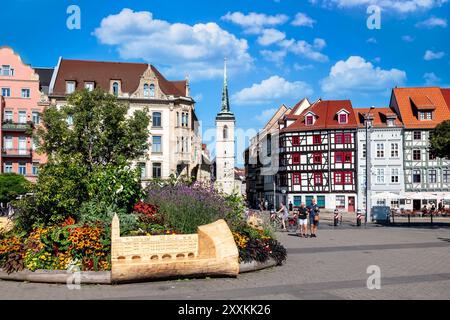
(101, 73)
(379, 116)
(406, 99)
(446, 94)
(326, 112)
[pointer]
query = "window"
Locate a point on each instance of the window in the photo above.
(380, 150)
(35, 169)
(297, 200)
(417, 135)
(321, 201)
(394, 175)
(432, 176)
(156, 170)
(156, 119)
(6, 92)
(343, 118)
(296, 158)
(22, 117)
(431, 156)
(390, 122)
(394, 150)
(380, 175)
(338, 178)
(416, 154)
(338, 157)
(296, 178)
(178, 119)
(318, 178)
(446, 176)
(8, 167)
(22, 168)
(89, 86)
(115, 89)
(8, 116)
(317, 139)
(156, 146)
(339, 138)
(6, 70)
(142, 170)
(348, 138)
(348, 178)
(70, 87)
(317, 158)
(309, 120)
(36, 117)
(416, 176)
(25, 93)
(348, 157)
(340, 202)
(364, 150)
(269, 144)
(152, 90)
(225, 133)
(426, 115)
(146, 90)
(8, 142)
(295, 141)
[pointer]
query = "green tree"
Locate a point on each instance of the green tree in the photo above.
(12, 185)
(440, 140)
(100, 131)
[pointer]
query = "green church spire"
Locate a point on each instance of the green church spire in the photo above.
(225, 111)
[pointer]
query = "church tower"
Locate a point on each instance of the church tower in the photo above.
(225, 142)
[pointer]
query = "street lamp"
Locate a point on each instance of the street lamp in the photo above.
(368, 117)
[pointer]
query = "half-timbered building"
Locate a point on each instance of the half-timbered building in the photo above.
(318, 155)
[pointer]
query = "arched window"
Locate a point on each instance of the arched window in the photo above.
(152, 90)
(146, 90)
(115, 88)
(225, 132)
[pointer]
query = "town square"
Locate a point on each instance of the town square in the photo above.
(262, 151)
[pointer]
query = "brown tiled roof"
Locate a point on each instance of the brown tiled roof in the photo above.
(379, 116)
(101, 73)
(446, 94)
(407, 98)
(326, 112)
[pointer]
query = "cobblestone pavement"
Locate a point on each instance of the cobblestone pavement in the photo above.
(413, 261)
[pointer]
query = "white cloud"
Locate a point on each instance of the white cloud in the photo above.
(299, 67)
(270, 36)
(357, 75)
(408, 38)
(431, 79)
(274, 56)
(253, 22)
(432, 22)
(270, 90)
(402, 6)
(372, 40)
(303, 48)
(431, 55)
(266, 115)
(179, 48)
(302, 20)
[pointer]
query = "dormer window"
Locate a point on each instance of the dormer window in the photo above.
(152, 90)
(146, 90)
(70, 87)
(342, 116)
(425, 115)
(309, 120)
(390, 122)
(89, 86)
(115, 88)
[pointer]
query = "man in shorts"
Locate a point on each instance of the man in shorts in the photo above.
(313, 210)
(303, 221)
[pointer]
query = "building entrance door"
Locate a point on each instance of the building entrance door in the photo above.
(416, 204)
(351, 204)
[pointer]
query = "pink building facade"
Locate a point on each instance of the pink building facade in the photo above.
(22, 101)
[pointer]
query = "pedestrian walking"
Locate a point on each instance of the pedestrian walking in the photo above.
(313, 211)
(303, 221)
(285, 215)
(291, 207)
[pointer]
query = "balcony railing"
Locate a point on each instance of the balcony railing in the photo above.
(14, 126)
(16, 153)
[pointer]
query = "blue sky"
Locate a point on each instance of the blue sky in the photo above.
(278, 51)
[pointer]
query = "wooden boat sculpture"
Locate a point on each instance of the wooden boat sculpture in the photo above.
(212, 251)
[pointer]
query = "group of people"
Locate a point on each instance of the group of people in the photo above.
(305, 214)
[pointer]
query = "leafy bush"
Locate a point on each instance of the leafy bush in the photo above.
(12, 185)
(187, 207)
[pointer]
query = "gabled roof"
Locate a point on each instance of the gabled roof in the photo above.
(102, 73)
(379, 116)
(410, 100)
(326, 112)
